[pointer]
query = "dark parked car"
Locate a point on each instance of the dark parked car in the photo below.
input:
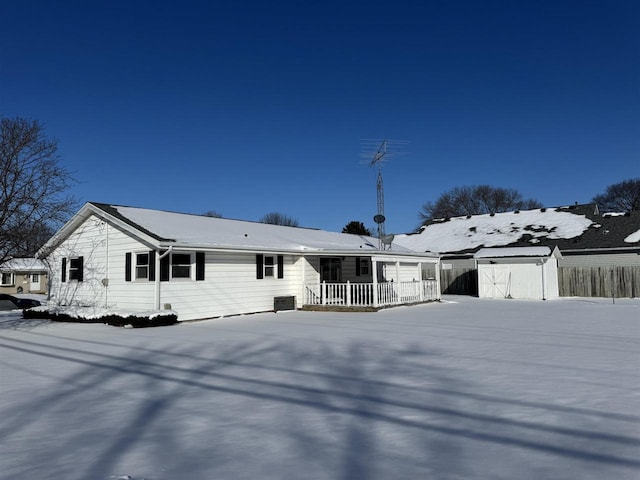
(10, 302)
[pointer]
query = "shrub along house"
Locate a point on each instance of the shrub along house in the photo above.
(201, 267)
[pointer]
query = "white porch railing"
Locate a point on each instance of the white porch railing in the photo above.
(362, 294)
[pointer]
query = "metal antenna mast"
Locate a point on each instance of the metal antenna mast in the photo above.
(378, 152)
(380, 218)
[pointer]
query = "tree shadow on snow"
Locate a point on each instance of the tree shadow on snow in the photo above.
(266, 407)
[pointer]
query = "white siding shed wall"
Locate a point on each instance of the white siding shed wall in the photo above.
(519, 278)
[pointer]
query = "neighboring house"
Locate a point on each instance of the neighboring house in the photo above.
(201, 267)
(585, 237)
(24, 275)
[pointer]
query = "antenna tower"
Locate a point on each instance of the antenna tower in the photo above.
(379, 218)
(377, 152)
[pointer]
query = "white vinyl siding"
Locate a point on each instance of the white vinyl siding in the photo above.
(103, 249)
(600, 260)
(231, 287)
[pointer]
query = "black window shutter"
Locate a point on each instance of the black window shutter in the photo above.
(127, 267)
(280, 266)
(81, 269)
(259, 266)
(199, 265)
(164, 268)
(152, 265)
(64, 270)
(357, 266)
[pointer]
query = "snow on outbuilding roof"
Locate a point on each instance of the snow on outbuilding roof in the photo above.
(514, 252)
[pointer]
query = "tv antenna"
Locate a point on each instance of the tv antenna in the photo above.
(378, 157)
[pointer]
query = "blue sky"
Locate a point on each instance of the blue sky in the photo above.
(249, 107)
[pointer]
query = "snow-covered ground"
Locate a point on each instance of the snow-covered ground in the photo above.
(464, 389)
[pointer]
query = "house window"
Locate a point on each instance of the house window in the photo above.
(7, 279)
(178, 266)
(142, 266)
(269, 264)
(76, 268)
(35, 278)
(363, 266)
(181, 265)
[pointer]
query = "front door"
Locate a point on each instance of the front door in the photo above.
(330, 270)
(35, 282)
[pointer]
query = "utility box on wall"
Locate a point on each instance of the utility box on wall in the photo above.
(284, 303)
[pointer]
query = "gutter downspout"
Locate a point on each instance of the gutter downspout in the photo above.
(157, 285)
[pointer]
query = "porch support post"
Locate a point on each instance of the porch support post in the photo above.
(398, 284)
(374, 274)
(323, 289)
(348, 293)
(437, 292)
(303, 293)
(156, 298)
(421, 284)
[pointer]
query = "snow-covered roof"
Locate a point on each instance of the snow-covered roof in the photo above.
(199, 230)
(24, 265)
(182, 230)
(470, 232)
(513, 252)
(633, 238)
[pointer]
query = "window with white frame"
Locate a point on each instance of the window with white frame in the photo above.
(7, 279)
(142, 266)
(269, 265)
(35, 278)
(180, 265)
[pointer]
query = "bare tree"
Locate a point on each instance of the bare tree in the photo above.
(276, 218)
(212, 213)
(475, 200)
(356, 228)
(620, 197)
(34, 199)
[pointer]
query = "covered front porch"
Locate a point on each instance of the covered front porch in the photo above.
(370, 282)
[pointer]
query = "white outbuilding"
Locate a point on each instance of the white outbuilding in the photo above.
(529, 273)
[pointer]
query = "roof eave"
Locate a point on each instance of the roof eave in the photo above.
(87, 210)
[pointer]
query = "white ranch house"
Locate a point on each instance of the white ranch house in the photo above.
(121, 257)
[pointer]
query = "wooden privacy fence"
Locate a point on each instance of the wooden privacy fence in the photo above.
(459, 281)
(611, 281)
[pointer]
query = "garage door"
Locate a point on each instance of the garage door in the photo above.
(494, 282)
